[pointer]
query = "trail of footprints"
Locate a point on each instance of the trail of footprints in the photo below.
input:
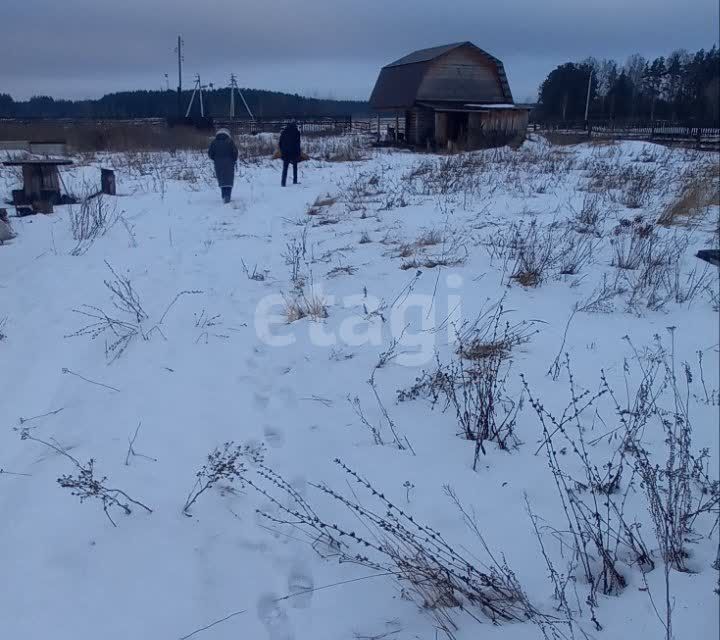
(271, 608)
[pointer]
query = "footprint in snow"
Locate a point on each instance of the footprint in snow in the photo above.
(300, 586)
(288, 397)
(274, 618)
(261, 401)
(274, 436)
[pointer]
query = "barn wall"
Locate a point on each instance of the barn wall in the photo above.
(419, 126)
(496, 128)
(462, 75)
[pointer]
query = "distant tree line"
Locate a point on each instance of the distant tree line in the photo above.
(162, 104)
(682, 87)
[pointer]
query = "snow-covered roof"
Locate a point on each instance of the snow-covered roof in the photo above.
(506, 105)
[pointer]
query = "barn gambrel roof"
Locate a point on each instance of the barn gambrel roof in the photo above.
(398, 84)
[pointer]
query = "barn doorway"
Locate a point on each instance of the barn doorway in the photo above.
(451, 129)
(457, 127)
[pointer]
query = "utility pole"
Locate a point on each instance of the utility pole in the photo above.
(587, 99)
(178, 49)
(233, 88)
(198, 89)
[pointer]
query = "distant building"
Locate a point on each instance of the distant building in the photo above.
(455, 96)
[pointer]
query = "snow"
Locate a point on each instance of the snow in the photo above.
(507, 105)
(223, 366)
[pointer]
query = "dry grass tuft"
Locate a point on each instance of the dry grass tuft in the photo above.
(699, 193)
(406, 250)
(429, 238)
(320, 204)
(347, 270)
(302, 306)
(480, 350)
(527, 277)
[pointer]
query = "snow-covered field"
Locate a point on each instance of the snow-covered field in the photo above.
(384, 486)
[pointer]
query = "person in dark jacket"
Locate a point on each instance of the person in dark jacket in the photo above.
(290, 150)
(224, 154)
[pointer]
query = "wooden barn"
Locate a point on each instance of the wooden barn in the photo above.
(455, 96)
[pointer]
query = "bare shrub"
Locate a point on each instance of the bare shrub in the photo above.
(631, 250)
(574, 253)
(450, 250)
(432, 385)
(226, 464)
(680, 491)
(94, 217)
(399, 441)
(362, 189)
(405, 250)
(639, 185)
(628, 253)
(397, 194)
(713, 297)
(85, 485)
(535, 253)
(294, 255)
(483, 409)
(121, 331)
(255, 275)
(365, 238)
(590, 216)
(436, 575)
(602, 297)
(477, 389)
(489, 336)
(596, 532)
(660, 278)
(677, 489)
(429, 238)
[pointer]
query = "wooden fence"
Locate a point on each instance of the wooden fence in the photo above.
(309, 125)
(702, 137)
(319, 125)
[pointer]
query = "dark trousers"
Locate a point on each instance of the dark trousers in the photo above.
(286, 164)
(226, 192)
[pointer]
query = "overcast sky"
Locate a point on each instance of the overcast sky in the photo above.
(324, 48)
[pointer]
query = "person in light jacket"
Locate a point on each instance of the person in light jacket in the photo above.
(224, 154)
(6, 231)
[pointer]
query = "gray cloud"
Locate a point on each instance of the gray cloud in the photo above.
(84, 48)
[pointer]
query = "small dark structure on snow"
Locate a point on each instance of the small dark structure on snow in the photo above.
(455, 96)
(41, 184)
(709, 255)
